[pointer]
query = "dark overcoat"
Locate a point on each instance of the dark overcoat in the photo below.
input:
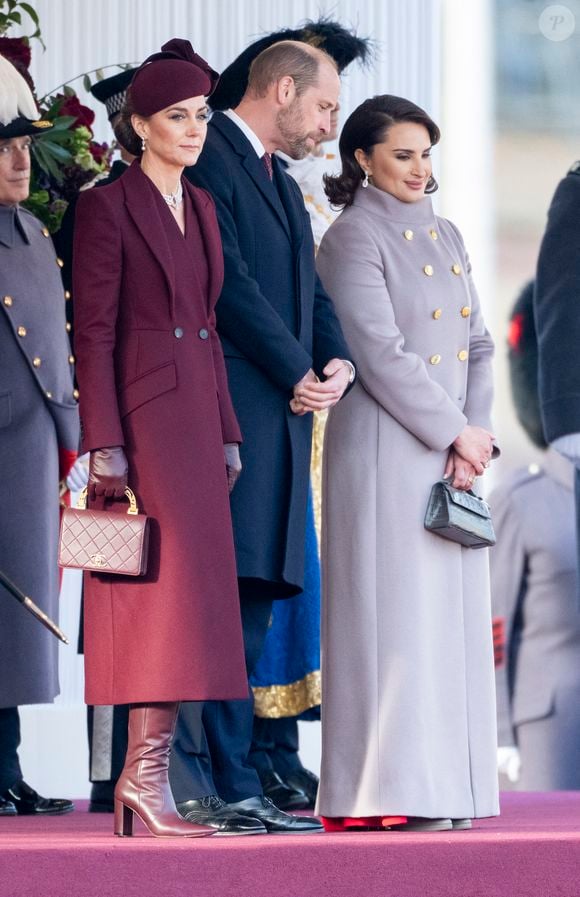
(275, 322)
(152, 379)
(39, 432)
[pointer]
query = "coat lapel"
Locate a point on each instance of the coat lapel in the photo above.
(209, 228)
(252, 164)
(142, 208)
(295, 214)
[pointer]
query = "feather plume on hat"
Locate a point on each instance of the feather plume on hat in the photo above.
(16, 100)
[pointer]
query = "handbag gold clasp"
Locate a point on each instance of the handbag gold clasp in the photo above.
(132, 509)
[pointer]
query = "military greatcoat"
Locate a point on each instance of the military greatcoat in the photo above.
(39, 434)
(407, 679)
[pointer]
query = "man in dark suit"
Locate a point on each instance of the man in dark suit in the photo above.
(286, 356)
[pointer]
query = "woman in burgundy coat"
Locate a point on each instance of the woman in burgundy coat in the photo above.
(156, 412)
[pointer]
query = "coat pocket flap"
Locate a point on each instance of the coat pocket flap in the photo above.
(532, 704)
(147, 387)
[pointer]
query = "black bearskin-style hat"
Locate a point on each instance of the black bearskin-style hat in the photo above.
(343, 45)
(18, 111)
(523, 365)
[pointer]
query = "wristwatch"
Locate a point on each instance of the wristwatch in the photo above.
(352, 370)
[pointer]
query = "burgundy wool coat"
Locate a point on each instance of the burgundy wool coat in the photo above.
(152, 379)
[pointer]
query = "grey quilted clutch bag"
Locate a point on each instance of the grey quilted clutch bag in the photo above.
(460, 516)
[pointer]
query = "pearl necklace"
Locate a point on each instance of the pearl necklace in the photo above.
(174, 199)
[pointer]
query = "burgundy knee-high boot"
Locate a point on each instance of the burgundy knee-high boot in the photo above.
(143, 786)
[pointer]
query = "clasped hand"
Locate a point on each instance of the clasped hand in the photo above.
(469, 456)
(312, 394)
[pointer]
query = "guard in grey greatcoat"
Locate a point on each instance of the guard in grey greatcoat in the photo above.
(39, 428)
(534, 587)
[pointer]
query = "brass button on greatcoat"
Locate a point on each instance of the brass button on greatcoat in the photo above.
(433, 234)
(48, 394)
(71, 359)
(66, 294)
(437, 313)
(68, 327)
(435, 359)
(60, 262)
(37, 362)
(178, 332)
(428, 270)
(465, 311)
(203, 333)
(75, 393)
(408, 234)
(45, 232)
(8, 300)
(22, 331)
(463, 355)
(456, 269)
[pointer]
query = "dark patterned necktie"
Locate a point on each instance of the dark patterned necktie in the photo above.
(267, 162)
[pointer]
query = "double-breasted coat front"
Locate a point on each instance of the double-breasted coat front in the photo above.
(407, 676)
(152, 379)
(39, 433)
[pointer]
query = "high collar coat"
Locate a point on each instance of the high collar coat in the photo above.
(275, 322)
(152, 379)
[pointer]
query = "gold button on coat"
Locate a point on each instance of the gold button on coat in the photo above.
(60, 263)
(37, 362)
(428, 270)
(21, 331)
(433, 234)
(45, 232)
(463, 355)
(75, 393)
(465, 311)
(456, 269)
(68, 327)
(71, 359)
(408, 235)
(435, 359)
(8, 300)
(48, 394)
(437, 313)
(66, 294)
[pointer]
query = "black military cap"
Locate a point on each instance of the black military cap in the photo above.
(111, 91)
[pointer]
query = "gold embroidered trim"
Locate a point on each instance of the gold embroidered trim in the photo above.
(275, 701)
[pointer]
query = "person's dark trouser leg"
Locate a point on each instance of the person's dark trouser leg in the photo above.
(190, 768)
(107, 733)
(263, 745)
(10, 771)
(284, 734)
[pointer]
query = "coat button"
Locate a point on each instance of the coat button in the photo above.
(408, 234)
(465, 311)
(48, 394)
(68, 327)
(437, 313)
(178, 332)
(428, 270)
(37, 362)
(45, 232)
(75, 393)
(66, 294)
(435, 359)
(463, 355)
(456, 269)
(22, 331)
(60, 262)
(203, 333)
(8, 300)
(433, 234)
(71, 359)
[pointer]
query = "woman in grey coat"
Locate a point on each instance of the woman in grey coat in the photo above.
(408, 720)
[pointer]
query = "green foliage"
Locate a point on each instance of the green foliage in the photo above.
(10, 15)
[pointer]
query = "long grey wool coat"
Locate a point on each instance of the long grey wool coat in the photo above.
(38, 418)
(408, 716)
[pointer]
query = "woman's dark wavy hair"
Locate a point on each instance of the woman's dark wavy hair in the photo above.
(124, 130)
(366, 127)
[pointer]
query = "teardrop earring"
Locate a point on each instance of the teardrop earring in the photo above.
(365, 182)
(143, 145)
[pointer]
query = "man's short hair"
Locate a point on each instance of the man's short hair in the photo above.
(300, 61)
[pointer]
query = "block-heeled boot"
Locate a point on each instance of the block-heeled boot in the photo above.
(143, 786)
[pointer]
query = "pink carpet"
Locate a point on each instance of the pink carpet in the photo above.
(532, 849)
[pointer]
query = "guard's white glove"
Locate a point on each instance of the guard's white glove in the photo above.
(509, 762)
(79, 474)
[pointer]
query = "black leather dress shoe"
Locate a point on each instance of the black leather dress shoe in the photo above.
(29, 803)
(275, 821)
(213, 811)
(306, 781)
(7, 808)
(281, 794)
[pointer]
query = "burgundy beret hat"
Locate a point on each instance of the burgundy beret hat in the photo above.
(174, 74)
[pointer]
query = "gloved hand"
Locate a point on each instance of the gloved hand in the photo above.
(79, 474)
(509, 762)
(108, 471)
(233, 463)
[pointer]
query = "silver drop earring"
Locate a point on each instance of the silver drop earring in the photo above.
(143, 145)
(365, 182)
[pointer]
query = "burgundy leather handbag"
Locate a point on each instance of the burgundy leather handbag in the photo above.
(104, 541)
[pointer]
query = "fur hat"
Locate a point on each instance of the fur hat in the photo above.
(523, 365)
(343, 45)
